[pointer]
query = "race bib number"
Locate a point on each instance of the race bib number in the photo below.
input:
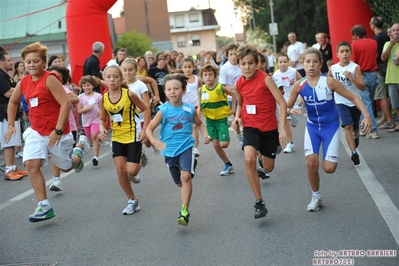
(251, 109)
(117, 118)
(34, 102)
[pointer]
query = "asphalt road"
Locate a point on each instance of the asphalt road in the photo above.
(360, 214)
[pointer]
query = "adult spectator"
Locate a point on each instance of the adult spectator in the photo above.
(147, 56)
(326, 51)
(221, 57)
(158, 73)
(294, 51)
(316, 45)
(7, 86)
(91, 65)
(390, 54)
(121, 55)
(381, 92)
(364, 51)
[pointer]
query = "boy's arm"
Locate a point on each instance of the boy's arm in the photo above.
(357, 80)
(153, 85)
(233, 98)
(159, 145)
(202, 128)
(140, 104)
(236, 123)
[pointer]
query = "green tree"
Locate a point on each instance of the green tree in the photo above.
(387, 9)
(135, 43)
(305, 18)
(223, 40)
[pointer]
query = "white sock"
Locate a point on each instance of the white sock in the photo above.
(316, 194)
(44, 202)
(9, 169)
(56, 178)
(14, 167)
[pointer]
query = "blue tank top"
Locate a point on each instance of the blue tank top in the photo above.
(320, 104)
(177, 128)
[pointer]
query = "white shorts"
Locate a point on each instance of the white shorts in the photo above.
(15, 139)
(36, 147)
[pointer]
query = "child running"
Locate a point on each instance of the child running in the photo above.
(129, 68)
(191, 95)
(46, 98)
(349, 74)
(257, 96)
(322, 127)
(120, 103)
(176, 119)
(88, 107)
(63, 75)
(216, 109)
(287, 76)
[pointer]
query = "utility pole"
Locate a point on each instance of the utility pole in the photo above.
(273, 34)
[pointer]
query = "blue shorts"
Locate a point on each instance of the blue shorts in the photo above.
(328, 136)
(181, 162)
(349, 115)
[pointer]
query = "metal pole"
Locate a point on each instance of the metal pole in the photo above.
(272, 16)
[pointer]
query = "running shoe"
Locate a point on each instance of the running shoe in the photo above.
(132, 206)
(195, 166)
(42, 212)
(372, 135)
(315, 204)
(228, 169)
(355, 158)
(144, 159)
(19, 154)
(184, 216)
(260, 209)
(104, 143)
(95, 161)
(279, 149)
(134, 178)
(196, 152)
(289, 148)
(21, 172)
(56, 185)
(78, 152)
(240, 139)
(13, 176)
(86, 145)
(262, 173)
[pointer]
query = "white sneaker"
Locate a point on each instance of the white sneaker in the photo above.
(86, 145)
(196, 152)
(134, 178)
(56, 185)
(156, 152)
(19, 154)
(104, 143)
(289, 148)
(240, 139)
(315, 204)
(132, 206)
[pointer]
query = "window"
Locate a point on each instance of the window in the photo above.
(179, 21)
(196, 39)
(181, 41)
(193, 17)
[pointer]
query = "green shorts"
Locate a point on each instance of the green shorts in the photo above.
(218, 129)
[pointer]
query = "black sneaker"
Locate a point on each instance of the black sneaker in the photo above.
(357, 141)
(355, 158)
(144, 159)
(260, 161)
(262, 173)
(195, 166)
(260, 209)
(278, 149)
(95, 161)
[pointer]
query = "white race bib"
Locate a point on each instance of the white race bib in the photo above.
(117, 118)
(34, 102)
(92, 101)
(251, 109)
(205, 96)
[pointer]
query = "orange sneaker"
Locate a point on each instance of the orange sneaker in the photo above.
(21, 172)
(12, 175)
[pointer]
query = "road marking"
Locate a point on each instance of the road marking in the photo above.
(384, 204)
(49, 182)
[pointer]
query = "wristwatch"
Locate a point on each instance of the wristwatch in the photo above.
(58, 132)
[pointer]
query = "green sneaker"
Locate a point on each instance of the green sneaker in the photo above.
(42, 212)
(184, 216)
(78, 152)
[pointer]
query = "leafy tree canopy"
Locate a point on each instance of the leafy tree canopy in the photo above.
(135, 43)
(305, 18)
(387, 9)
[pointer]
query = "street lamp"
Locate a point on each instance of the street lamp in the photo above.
(273, 26)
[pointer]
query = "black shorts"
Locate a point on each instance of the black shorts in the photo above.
(132, 151)
(264, 142)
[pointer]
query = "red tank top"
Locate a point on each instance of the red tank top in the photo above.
(254, 92)
(43, 117)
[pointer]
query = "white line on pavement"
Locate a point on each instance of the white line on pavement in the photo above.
(384, 204)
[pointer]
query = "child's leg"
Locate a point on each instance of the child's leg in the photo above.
(350, 139)
(250, 168)
(312, 167)
(94, 131)
(288, 131)
(196, 136)
(218, 146)
(186, 188)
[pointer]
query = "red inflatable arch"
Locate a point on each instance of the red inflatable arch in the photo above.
(342, 16)
(87, 22)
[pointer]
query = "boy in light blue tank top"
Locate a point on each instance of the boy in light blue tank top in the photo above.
(176, 142)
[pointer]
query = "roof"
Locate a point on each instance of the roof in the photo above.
(26, 20)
